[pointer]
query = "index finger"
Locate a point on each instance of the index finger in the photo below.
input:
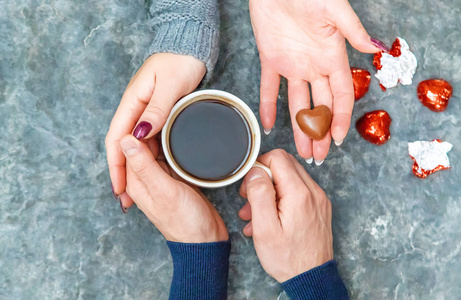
(126, 116)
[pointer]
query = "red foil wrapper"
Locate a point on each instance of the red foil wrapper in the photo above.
(361, 79)
(395, 52)
(374, 127)
(396, 49)
(435, 94)
(377, 60)
(422, 173)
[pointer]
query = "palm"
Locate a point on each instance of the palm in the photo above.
(295, 43)
(300, 41)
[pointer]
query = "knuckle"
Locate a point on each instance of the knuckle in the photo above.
(319, 193)
(304, 193)
(279, 154)
(155, 111)
(322, 198)
(261, 233)
(260, 192)
(325, 200)
(141, 170)
(344, 94)
(108, 140)
(291, 157)
(358, 25)
(174, 194)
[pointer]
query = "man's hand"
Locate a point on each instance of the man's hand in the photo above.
(290, 219)
(303, 41)
(160, 82)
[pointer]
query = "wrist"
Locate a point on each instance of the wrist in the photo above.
(200, 270)
(322, 282)
(187, 37)
(217, 236)
(293, 269)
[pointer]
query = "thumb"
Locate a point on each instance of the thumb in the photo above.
(142, 163)
(350, 26)
(261, 195)
(156, 112)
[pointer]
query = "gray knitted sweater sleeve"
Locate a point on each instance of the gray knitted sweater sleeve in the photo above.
(189, 27)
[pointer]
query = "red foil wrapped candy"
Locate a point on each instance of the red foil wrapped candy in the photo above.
(361, 79)
(374, 127)
(435, 94)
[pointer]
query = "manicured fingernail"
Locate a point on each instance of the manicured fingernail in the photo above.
(128, 145)
(267, 131)
(142, 130)
(338, 143)
(380, 45)
(124, 209)
(309, 160)
(254, 174)
(113, 191)
(319, 162)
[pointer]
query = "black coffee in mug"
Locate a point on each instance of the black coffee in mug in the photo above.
(210, 140)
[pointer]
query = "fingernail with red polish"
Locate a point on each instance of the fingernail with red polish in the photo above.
(113, 191)
(124, 209)
(380, 45)
(142, 130)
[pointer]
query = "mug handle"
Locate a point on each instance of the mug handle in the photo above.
(261, 166)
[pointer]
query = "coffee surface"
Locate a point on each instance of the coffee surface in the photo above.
(210, 140)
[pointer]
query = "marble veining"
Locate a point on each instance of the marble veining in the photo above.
(63, 68)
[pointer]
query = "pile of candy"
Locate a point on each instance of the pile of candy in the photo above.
(394, 67)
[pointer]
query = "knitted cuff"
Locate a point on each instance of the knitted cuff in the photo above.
(322, 282)
(200, 270)
(188, 37)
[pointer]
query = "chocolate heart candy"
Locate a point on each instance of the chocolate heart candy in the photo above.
(315, 122)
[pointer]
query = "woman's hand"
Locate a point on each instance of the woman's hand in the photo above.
(303, 41)
(159, 83)
(180, 212)
(290, 219)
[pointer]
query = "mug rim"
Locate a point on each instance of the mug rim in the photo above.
(255, 133)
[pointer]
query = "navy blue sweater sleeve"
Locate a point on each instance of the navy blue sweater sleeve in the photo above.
(320, 283)
(199, 270)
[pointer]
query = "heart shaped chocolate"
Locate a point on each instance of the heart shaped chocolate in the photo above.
(435, 94)
(374, 127)
(315, 122)
(361, 79)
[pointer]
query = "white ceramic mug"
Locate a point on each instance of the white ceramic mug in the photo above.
(247, 113)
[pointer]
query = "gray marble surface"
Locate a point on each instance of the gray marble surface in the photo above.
(63, 68)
